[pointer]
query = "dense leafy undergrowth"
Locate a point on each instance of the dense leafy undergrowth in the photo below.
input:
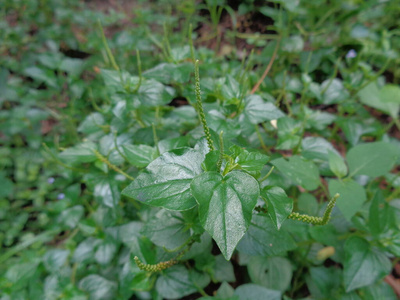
(125, 176)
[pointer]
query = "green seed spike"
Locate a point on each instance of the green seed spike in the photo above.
(157, 267)
(221, 151)
(164, 264)
(316, 220)
(200, 110)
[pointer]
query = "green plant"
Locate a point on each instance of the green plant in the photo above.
(121, 179)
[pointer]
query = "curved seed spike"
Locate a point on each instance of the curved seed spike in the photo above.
(316, 220)
(309, 219)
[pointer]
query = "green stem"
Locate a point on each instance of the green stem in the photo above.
(268, 174)
(111, 166)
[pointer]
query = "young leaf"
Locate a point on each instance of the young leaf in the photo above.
(166, 181)
(372, 159)
(352, 196)
(337, 164)
(363, 265)
(279, 204)
(302, 172)
(225, 206)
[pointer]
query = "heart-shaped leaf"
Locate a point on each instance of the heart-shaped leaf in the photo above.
(225, 206)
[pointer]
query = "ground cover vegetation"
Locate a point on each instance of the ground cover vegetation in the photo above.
(199, 149)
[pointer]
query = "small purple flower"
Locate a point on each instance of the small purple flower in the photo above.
(351, 54)
(60, 196)
(50, 180)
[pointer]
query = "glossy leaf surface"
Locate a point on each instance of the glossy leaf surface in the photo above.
(225, 206)
(166, 181)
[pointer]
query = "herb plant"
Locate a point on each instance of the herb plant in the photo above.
(213, 150)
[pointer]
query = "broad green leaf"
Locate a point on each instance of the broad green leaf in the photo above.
(143, 281)
(264, 239)
(226, 291)
(352, 196)
(54, 259)
(175, 283)
(211, 161)
(390, 93)
(249, 161)
(337, 164)
(317, 148)
(20, 273)
(252, 161)
(172, 143)
(81, 153)
(363, 265)
(85, 250)
(166, 181)
(280, 206)
(105, 252)
(169, 72)
(115, 80)
(231, 89)
(42, 75)
(223, 270)
(153, 93)
(335, 92)
(92, 123)
(372, 159)
(373, 97)
(139, 155)
(307, 203)
(292, 44)
(225, 206)
(98, 287)
(71, 216)
(380, 290)
(271, 272)
(251, 291)
(324, 282)
(219, 122)
(107, 192)
(302, 172)
(258, 111)
(166, 229)
(378, 214)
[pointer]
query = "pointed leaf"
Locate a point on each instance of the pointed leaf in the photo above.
(166, 181)
(372, 159)
(264, 239)
(352, 196)
(302, 172)
(362, 265)
(139, 155)
(225, 206)
(337, 164)
(280, 206)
